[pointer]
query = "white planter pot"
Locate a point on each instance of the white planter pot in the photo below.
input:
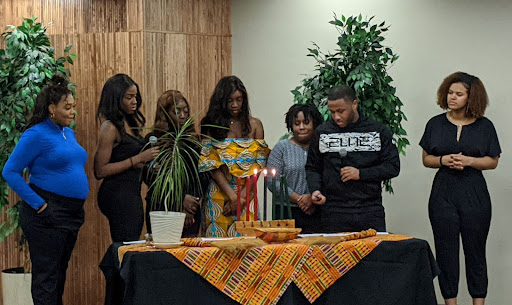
(16, 287)
(166, 227)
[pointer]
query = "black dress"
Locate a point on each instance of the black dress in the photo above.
(119, 196)
(459, 203)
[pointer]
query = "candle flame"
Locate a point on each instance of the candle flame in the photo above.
(273, 172)
(265, 172)
(255, 171)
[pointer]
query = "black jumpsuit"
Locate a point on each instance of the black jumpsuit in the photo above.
(459, 203)
(119, 196)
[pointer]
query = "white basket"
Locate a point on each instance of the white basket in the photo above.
(166, 227)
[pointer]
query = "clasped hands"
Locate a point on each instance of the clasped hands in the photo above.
(190, 207)
(305, 203)
(230, 205)
(456, 161)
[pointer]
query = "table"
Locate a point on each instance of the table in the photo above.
(398, 272)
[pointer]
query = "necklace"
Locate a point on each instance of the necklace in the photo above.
(459, 126)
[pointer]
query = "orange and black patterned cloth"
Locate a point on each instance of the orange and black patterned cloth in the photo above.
(260, 275)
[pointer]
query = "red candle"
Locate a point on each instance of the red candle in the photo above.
(238, 194)
(255, 190)
(247, 197)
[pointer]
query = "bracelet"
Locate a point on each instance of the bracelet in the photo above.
(131, 161)
(441, 161)
(41, 208)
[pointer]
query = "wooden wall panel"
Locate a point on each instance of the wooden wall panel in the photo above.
(205, 17)
(76, 16)
(161, 44)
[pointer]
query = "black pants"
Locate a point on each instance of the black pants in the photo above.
(308, 223)
(334, 221)
(51, 237)
(460, 208)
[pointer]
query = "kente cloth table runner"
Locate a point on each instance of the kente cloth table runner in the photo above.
(260, 275)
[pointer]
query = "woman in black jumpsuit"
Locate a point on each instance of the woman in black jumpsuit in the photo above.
(461, 143)
(119, 159)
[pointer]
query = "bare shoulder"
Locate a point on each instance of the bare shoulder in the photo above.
(108, 131)
(255, 122)
(256, 128)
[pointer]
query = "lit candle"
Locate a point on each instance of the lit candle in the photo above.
(255, 191)
(265, 172)
(238, 197)
(247, 197)
(274, 193)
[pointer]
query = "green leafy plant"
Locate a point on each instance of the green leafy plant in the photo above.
(177, 166)
(361, 62)
(27, 64)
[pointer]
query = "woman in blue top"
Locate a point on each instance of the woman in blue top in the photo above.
(52, 211)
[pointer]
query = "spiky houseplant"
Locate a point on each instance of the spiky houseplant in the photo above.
(26, 65)
(361, 62)
(176, 166)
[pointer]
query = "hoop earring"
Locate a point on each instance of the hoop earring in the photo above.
(52, 115)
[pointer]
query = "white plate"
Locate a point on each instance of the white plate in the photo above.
(167, 245)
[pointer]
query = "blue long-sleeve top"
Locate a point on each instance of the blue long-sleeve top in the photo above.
(54, 160)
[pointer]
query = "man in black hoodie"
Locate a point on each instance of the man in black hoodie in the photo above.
(349, 157)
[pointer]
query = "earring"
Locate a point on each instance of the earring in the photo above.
(52, 115)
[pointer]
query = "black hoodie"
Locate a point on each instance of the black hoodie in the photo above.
(365, 145)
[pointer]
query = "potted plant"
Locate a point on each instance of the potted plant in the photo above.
(26, 65)
(174, 169)
(361, 62)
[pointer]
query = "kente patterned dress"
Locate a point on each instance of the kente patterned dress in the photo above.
(241, 157)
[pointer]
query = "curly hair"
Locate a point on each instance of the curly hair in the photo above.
(53, 93)
(165, 116)
(218, 110)
(111, 100)
(477, 96)
(309, 111)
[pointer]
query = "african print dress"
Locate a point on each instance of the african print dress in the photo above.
(241, 157)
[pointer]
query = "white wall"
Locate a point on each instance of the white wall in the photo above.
(433, 38)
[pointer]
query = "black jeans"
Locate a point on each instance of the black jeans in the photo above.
(334, 221)
(51, 237)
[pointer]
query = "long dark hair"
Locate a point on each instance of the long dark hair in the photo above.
(52, 93)
(218, 112)
(110, 104)
(165, 116)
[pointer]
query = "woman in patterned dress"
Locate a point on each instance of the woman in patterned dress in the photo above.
(237, 149)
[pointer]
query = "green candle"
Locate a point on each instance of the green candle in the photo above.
(287, 198)
(274, 193)
(282, 197)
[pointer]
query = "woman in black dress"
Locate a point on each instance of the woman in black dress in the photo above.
(119, 160)
(461, 143)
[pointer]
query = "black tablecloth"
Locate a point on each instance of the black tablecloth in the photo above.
(395, 273)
